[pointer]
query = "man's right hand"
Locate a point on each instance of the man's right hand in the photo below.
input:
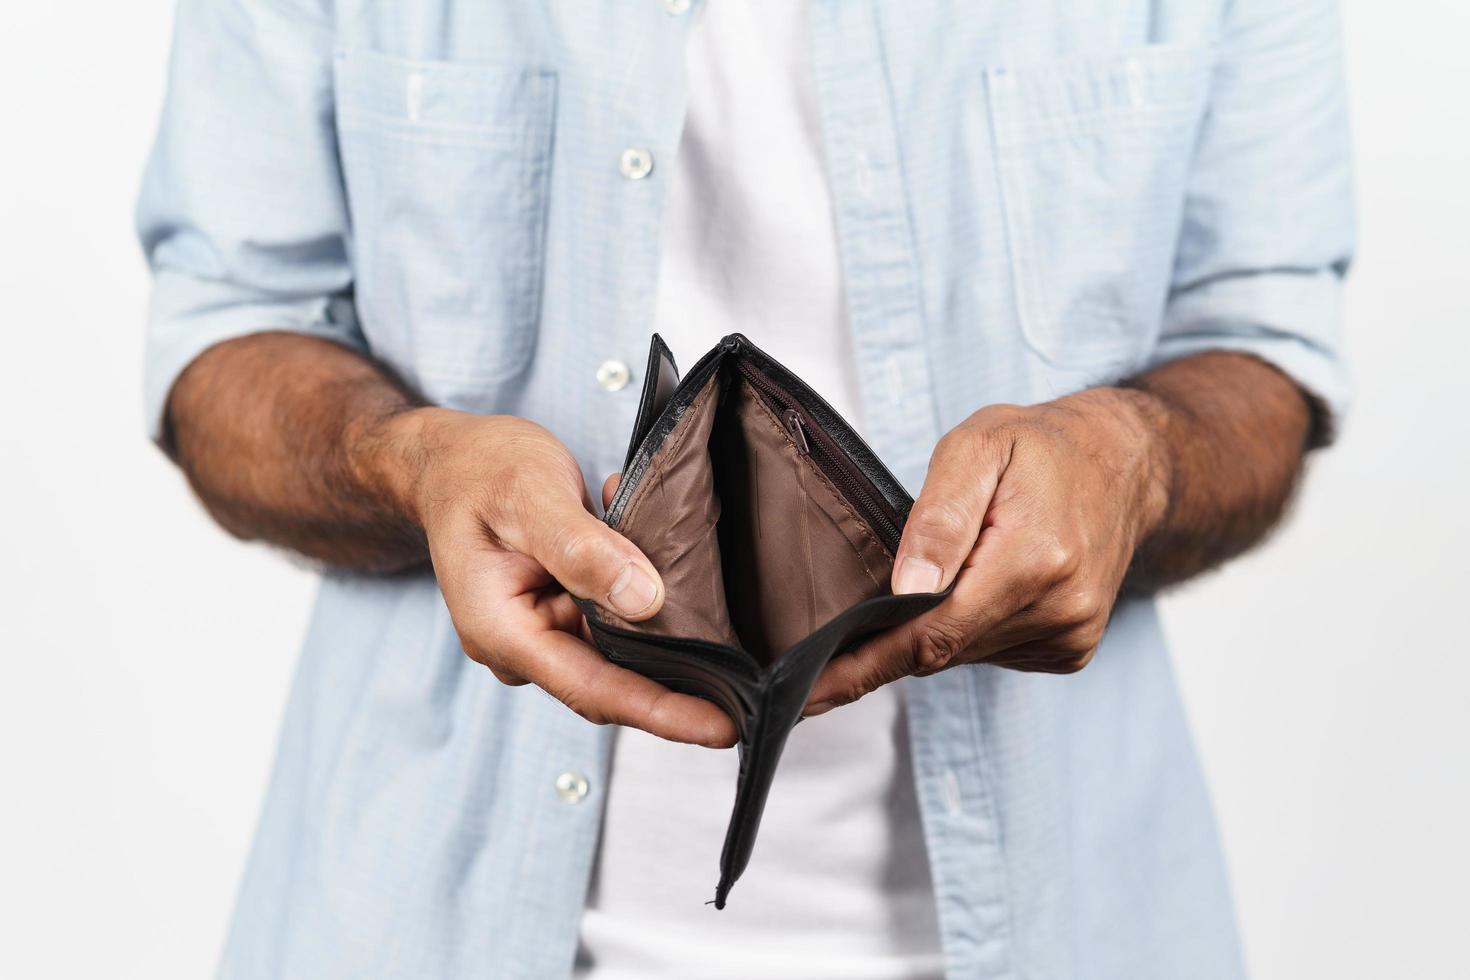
(311, 446)
(513, 539)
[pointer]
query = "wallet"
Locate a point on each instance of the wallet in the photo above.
(774, 528)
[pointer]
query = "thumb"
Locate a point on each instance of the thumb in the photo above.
(589, 559)
(610, 487)
(945, 521)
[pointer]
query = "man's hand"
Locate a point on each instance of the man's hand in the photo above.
(1034, 515)
(1038, 514)
(311, 446)
(512, 539)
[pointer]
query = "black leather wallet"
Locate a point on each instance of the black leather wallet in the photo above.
(774, 528)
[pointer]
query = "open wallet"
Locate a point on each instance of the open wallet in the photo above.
(774, 528)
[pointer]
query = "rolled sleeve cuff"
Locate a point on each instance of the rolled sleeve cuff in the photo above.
(189, 315)
(1290, 320)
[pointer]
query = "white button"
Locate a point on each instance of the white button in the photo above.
(613, 375)
(571, 787)
(1137, 83)
(414, 96)
(676, 7)
(636, 163)
(952, 802)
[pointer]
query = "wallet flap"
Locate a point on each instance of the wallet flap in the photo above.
(660, 381)
(785, 690)
(711, 671)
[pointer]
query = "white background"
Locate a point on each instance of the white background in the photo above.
(144, 656)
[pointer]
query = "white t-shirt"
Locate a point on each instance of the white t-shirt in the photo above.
(839, 883)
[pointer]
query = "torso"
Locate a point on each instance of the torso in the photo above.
(840, 882)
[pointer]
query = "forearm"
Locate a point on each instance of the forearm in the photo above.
(1231, 433)
(282, 437)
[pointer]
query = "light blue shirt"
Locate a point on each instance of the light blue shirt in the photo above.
(1029, 198)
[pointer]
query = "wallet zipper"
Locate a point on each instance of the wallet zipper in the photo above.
(812, 442)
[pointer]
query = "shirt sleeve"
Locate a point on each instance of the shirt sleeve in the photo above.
(1268, 225)
(242, 214)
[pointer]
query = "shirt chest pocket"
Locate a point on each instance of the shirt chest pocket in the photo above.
(447, 168)
(1092, 159)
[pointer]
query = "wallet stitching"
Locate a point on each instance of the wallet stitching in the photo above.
(841, 501)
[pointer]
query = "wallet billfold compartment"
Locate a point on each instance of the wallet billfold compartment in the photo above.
(774, 528)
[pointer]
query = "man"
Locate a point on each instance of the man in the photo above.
(1073, 270)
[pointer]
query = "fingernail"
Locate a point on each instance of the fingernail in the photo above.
(917, 575)
(632, 591)
(820, 707)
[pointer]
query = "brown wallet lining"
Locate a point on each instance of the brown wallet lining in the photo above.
(756, 546)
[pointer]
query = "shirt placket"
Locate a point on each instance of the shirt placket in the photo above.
(875, 237)
(565, 775)
(881, 281)
(635, 144)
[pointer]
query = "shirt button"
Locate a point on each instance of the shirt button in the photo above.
(571, 787)
(953, 804)
(1137, 90)
(676, 7)
(613, 375)
(636, 163)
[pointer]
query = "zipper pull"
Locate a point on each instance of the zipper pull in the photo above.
(798, 434)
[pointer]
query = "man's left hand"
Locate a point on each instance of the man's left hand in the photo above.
(1034, 514)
